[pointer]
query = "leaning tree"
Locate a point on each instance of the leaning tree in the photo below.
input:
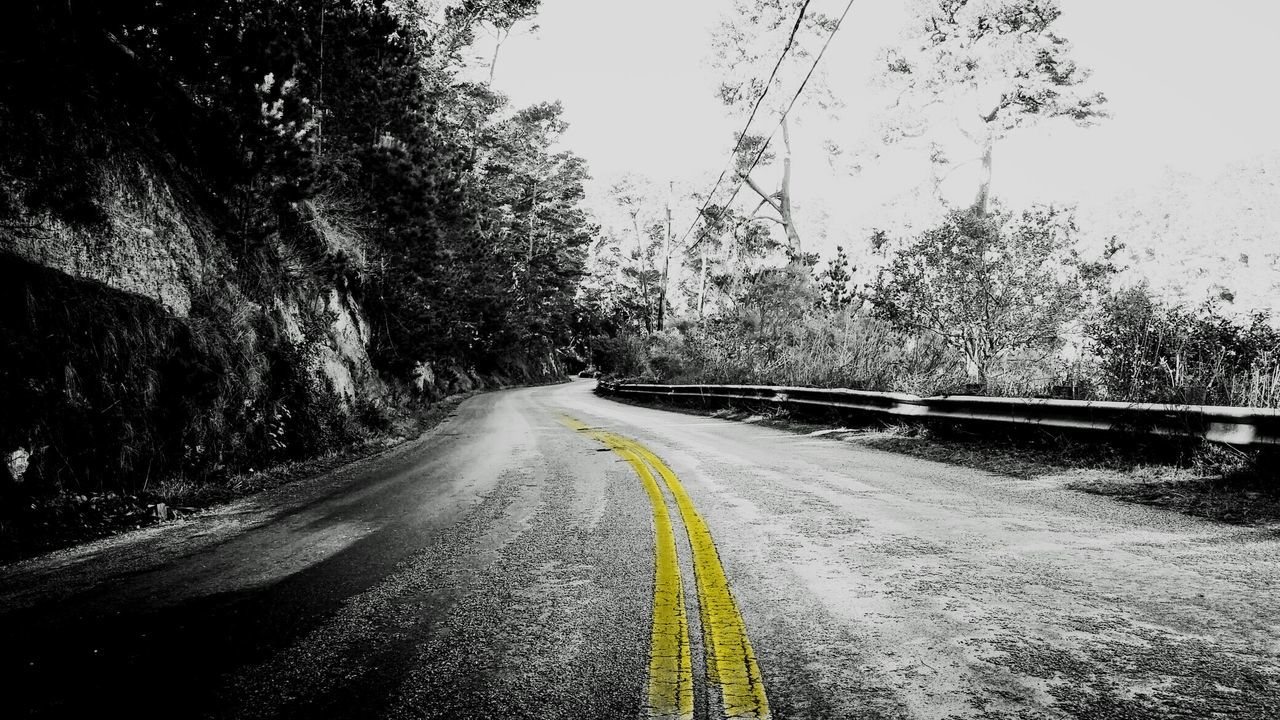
(747, 44)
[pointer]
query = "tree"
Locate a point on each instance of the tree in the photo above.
(636, 196)
(1196, 237)
(835, 282)
(990, 284)
(747, 44)
(500, 29)
(989, 66)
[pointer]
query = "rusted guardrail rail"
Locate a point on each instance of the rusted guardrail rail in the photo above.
(1230, 425)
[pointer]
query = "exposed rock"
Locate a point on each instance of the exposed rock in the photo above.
(16, 463)
(424, 378)
(152, 245)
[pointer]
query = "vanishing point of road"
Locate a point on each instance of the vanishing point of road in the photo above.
(545, 553)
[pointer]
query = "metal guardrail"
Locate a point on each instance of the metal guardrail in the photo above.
(1230, 425)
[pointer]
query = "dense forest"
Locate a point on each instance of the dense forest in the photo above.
(234, 232)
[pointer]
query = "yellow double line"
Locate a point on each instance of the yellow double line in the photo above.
(731, 664)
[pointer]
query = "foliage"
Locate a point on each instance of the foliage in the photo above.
(622, 355)
(1002, 55)
(985, 67)
(1156, 353)
(493, 272)
(275, 103)
(763, 50)
(332, 146)
(989, 285)
(772, 322)
(632, 267)
(746, 44)
(835, 283)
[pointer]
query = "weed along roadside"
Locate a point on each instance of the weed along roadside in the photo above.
(1174, 467)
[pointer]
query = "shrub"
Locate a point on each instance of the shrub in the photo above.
(990, 285)
(1154, 353)
(824, 349)
(620, 356)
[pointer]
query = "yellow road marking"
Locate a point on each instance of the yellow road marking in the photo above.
(731, 663)
(670, 668)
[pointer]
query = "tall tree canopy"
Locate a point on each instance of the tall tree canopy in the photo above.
(284, 110)
(984, 67)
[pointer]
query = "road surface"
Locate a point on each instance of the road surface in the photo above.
(545, 553)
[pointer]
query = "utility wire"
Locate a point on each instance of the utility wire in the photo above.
(765, 145)
(742, 135)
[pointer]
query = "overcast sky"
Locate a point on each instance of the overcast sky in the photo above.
(1191, 84)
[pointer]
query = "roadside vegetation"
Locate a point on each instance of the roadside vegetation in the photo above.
(970, 296)
(325, 220)
(322, 224)
(961, 297)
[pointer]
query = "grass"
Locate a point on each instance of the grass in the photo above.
(1220, 483)
(1203, 480)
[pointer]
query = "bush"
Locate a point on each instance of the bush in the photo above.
(622, 356)
(990, 284)
(824, 349)
(1153, 353)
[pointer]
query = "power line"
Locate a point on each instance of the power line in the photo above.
(765, 146)
(742, 135)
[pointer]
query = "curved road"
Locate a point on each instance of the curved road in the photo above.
(546, 553)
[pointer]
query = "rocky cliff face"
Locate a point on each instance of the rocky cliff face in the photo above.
(154, 243)
(157, 342)
(158, 242)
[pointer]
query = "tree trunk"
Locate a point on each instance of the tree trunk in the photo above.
(500, 37)
(983, 200)
(788, 221)
(644, 284)
(702, 283)
(666, 264)
(976, 360)
(533, 214)
(635, 227)
(318, 111)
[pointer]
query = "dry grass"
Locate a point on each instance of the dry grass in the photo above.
(1220, 483)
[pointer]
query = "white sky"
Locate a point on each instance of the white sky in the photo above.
(1190, 84)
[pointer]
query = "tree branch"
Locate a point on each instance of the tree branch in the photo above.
(773, 203)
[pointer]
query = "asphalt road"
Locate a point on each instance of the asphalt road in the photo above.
(548, 554)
